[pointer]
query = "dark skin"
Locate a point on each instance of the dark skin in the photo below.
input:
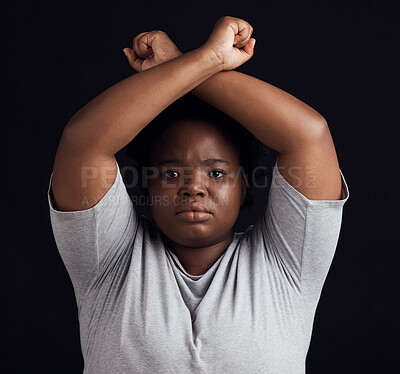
(198, 245)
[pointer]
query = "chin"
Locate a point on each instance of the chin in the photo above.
(191, 236)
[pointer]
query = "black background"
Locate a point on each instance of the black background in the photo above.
(340, 58)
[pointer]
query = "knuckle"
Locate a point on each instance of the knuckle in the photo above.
(136, 40)
(161, 33)
(140, 35)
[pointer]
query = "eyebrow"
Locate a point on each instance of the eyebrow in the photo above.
(206, 162)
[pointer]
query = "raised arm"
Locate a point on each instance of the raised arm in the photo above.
(307, 159)
(307, 156)
(85, 168)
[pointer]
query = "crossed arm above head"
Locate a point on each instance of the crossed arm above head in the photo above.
(307, 156)
(301, 135)
(112, 119)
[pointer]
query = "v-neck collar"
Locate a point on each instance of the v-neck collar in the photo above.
(193, 288)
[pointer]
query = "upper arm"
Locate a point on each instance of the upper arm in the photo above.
(81, 175)
(300, 226)
(312, 167)
(92, 216)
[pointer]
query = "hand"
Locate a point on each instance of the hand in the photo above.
(151, 49)
(231, 40)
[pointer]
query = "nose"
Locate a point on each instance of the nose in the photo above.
(192, 184)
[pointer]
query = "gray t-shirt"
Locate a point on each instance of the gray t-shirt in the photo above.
(251, 312)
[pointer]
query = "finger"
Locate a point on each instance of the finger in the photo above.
(243, 37)
(142, 45)
(134, 61)
(249, 47)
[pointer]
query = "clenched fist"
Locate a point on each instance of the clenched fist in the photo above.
(230, 41)
(151, 49)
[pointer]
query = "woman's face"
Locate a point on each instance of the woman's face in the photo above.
(194, 163)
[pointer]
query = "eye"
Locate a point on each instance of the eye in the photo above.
(221, 174)
(169, 174)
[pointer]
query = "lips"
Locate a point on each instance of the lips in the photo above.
(194, 207)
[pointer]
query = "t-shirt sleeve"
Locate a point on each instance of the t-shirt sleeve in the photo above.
(299, 235)
(92, 241)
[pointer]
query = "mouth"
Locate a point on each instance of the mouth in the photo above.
(193, 207)
(193, 216)
(194, 212)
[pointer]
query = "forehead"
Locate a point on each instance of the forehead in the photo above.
(194, 140)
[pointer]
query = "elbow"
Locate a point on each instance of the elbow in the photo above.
(321, 129)
(69, 133)
(316, 130)
(74, 135)
(313, 132)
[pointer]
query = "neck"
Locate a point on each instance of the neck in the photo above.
(197, 260)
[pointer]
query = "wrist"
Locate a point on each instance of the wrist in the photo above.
(212, 57)
(172, 54)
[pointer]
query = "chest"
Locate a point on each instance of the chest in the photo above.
(242, 327)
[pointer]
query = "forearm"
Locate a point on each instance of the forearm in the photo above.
(273, 116)
(112, 119)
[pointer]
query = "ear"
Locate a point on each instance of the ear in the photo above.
(244, 188)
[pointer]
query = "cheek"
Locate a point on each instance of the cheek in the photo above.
(163, 198)
(227, 196)
(157, 188)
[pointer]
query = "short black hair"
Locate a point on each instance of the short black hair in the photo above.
(191, 108)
